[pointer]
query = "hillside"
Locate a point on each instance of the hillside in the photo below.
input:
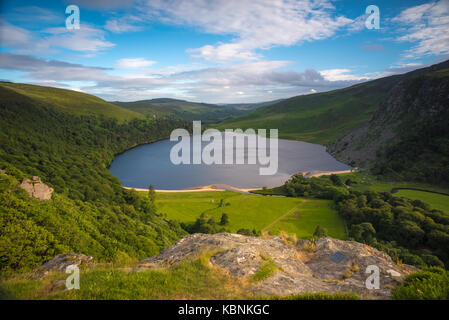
(407, 138)
(89, 211)
(189, 111)
(180, 109)
(321, 117)
(70, 101)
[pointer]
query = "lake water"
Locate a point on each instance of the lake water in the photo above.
(150, 164)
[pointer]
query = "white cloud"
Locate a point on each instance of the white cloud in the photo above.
(124, 24)
(131, 63)
(84, 39)
(254, 81)
(12, 36)
(426, 25)
(254, 24)
(340, 75)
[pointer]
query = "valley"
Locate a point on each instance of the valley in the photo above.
(69, 139)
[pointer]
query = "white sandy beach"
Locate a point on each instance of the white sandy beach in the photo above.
(223, 187)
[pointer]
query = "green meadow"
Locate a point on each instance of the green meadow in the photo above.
(303, 220)
(435, 200)
(275, 214)
(367, 182)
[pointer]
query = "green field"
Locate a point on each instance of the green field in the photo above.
(254, 212)
(303, 220)
(366, 182)
(435, 200)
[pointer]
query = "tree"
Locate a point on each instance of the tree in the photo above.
(152, 193)
(363, 232)
(320, 232)
(224, 219)
(336, 180)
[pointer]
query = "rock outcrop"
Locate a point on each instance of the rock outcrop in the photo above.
(36, 188)
(59, 264)
(328, 265)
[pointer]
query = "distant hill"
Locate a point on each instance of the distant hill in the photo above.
(187, 110)
(70, 101)
(321, 117)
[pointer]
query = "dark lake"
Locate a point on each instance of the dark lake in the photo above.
(150, 164)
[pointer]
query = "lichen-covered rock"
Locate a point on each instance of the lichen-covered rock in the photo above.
(36, 188)
(59, 264)
(328, 265)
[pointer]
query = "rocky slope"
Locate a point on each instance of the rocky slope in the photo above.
(418, 101)
(328, 265)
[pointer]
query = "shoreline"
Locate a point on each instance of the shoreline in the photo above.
(206, 188)
(225, 187)
(310, 174)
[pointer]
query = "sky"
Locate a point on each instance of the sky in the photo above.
(217, 51)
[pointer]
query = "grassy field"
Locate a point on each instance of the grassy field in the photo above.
(367, 182)
(254, 212)
(436, 201)
(303, 220)
(70, 101)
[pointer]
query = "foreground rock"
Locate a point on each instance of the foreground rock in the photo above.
(328, 265)
(36, 188)
(59, 264)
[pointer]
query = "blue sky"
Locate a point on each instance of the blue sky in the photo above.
(217, 51)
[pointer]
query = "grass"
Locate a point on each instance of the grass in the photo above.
(274, 214)
(194, 279)
(244, 211)
(266, 269)
(305, 218)
(74, 102)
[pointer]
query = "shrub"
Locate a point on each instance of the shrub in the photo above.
(428, 284)
(320, 232)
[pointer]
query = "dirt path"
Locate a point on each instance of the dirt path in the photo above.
(285, 214)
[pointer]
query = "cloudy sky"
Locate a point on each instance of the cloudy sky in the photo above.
(217, 51)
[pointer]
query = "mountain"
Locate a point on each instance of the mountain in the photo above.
(70, 101)
(407, 138)
(189, 111)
